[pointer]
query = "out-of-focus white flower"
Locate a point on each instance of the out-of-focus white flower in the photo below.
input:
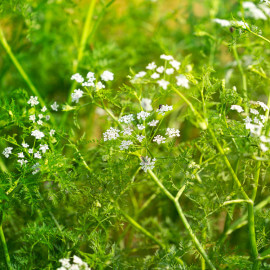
(111, 134)
(160, 69)
(253, 111)
(163, 84)
(237, 108)
(77, 77)
(107, 76)
(142, 115)
(146, 104)
(140, 138)
(55, 106)
(33, 101)
(140, 127)
(127, 131)
(7, 151)
(155, 75)
(147, 163)
(166, 57)
(172, 132)
(140, 74)
(43, 148)
(169, 71)
(127, 119)
(163, 109)
(151, 66)
(125, 144)
(78, 93)
(159, 139)
(181, 80)
(153, 123)
(175, 64)
(223, 23)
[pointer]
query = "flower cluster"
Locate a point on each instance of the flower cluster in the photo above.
(147, 163)
(76, 264)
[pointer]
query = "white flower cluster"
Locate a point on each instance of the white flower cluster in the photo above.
(7, 151)
(226, 23)
(172, 132)
(252, 11)
(111, 134)
(147, 163)
(78, 93)
(164, 108)
(76, 264)
(162, 73)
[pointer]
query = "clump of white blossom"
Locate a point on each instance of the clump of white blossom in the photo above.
(147, 163)
(75, 264)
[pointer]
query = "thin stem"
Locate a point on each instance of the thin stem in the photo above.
(183, 219)
(4, 244)
(13, 58)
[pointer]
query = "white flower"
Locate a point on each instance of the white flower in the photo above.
(127, 131)
(253, 111)
(160, 69)
(169, 71)
(52, 131)
(155, 75)
(237, 108)
(88, 84)
(7, 151)
(159, 139)
(111, 134)
(32, 118)
(25, 145)
(140, 74)
(142, 115)
(252, 11)
(166, 57)
(223, 23)
(182, 81)
(77, 77)
(37, 134)
(33, 101)
(21, 155)
(31, 151)
(100, 85)
(151, 66)
(90, 76)
(77, 260)
(263, 118)
(171, 132)
(54, 106)
(140, 138)
(107, 76)
(175, 64)
(125, 144)
(265, 139)
(263, 147)
(147, 163)
(36, 168)
(40, 122)
(40, 116)
(22, 161)
(140, 127)
(78, 93)
(44, 109)
(162, 83)
(47, 117)
(37, 155)
(254, 129)
(127, 119)
(247, 119)
(153, 123)
(241, 24)
(146, 104)
(263, 105)
(256, 120)
(163, 109)
(65, 262)
(43, 148)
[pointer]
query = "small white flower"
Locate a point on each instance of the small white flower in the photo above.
(255, 130)
(37, 134)
(263, 118)
(140, 74)
(140, 127)
(32, 118)
(107, 76)
(55, 106)
(146, 104)
(47, 117)
(37, 155)
(163, 109)
(65, 263)
(160, 69)
(20, 155)
(43, 148)
(166, 57)
(40, 122)
(52, 131)
(7, 151)
(100, 85)
(151, 66)
(147, 163)
(127, 131)
(31, 151)
(263, 147)
(127, 119)
(182, 80)
(40, 116)
(90, 76)
(22, 161)
(256, 120)
(77, 77)
(252, 11)
(253, 111)
(44, 109)
(142, 115)
(111, 134)
(247, 119)
(162, 83)
(33, 101)
(175, 64)
(171, 132)
(25, 145)
(169, 71)
(237, 108)
(263, 105)
(78, 93)
(140, 138)
(155, 75)
(88, 84)
(264, 139)
(153, 123)
(159, 139)
(223, 23)
(77, 260)
(125, 144)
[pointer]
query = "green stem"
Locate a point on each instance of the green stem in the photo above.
(183, 219)
(4, 244)
(13, 58)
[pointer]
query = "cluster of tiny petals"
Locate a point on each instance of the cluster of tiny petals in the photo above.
(171, 132)
(55, 106)
(140, 137)
(153, 123)
(159, 139)
(142, 115)
(127, 119)
(76, 264)
(237, 108)
(147, 163)
(33, 101)
(107, 76)
(111, 134)
(78, 93)
(146, 104)
(182, 80)
(125, 144)
(140, 127)
(7, 151)
(37, 134)
(163, 109)
(163, 84)
(77, 77)
(127, 131)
